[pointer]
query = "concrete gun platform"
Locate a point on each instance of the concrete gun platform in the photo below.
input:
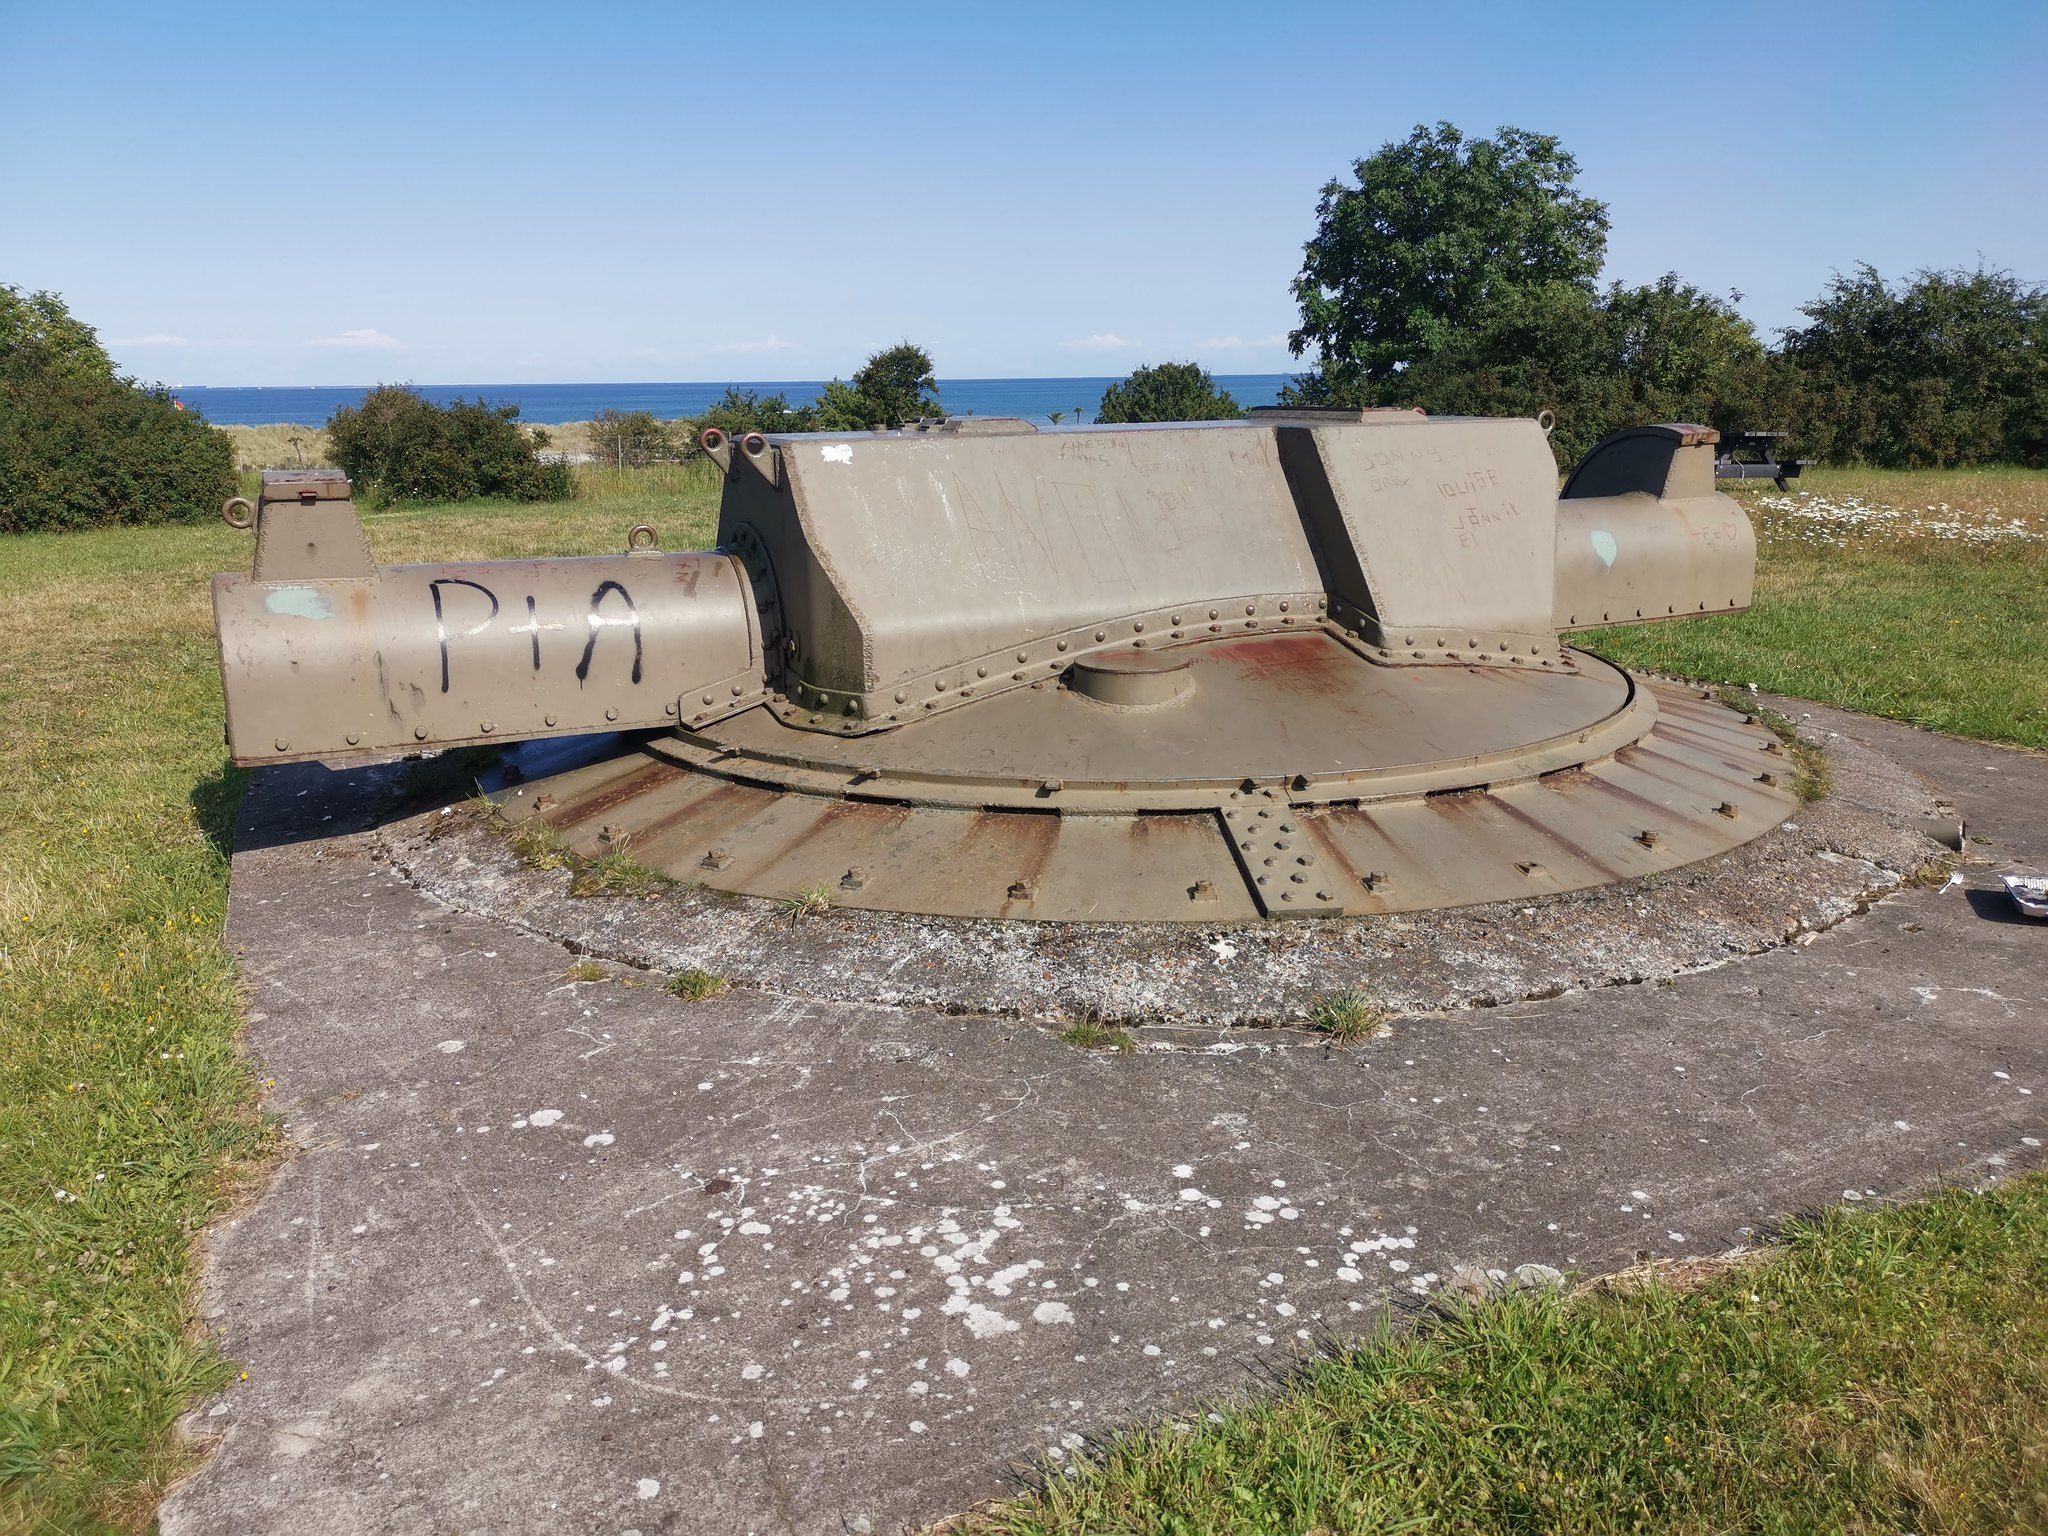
(576, 1256)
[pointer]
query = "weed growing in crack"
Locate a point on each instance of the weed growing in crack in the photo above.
(697, 986)
(811, 901)
(1091, 1034)
(535, 843)
(1347, 1016)
(1811, 777)
(616, 874)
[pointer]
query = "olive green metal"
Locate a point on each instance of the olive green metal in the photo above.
(1306, 663)
(324, 654)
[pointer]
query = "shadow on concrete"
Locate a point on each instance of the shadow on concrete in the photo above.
(1997, 906)
(244, 809)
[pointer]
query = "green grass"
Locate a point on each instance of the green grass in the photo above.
(121, 1081)
(811, 901)
(1092, 1035)
(536, 843)
(697, 986)
(1948, 635)
(616, 874)
(1883, 1371)
(1347, 1016)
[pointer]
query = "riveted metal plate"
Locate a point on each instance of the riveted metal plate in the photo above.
(1649, 777)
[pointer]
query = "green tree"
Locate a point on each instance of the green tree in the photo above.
(82, 446)
(1167, 392)
(623, 438)
(398, 445)
(40, 338)
(1434, 232)
(893, 386)
(1945, 368)
(1665, 351)
(740, 411)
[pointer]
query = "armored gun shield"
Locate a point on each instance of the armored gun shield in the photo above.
(1305, 664)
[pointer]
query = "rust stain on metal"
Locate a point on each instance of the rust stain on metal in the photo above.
(1543, 829)
(652, 776)
(1291, 663)
(725, 806)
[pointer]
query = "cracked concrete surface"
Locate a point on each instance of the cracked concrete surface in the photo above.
(577, 1256)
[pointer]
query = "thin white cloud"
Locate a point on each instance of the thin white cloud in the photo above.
(1234, 343)
(764, 344)
(1103, 341)
(154, 339)
(369, 339)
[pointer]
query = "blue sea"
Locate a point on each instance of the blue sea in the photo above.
(1036, 399)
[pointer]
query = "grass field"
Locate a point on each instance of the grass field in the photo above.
(1934, 610)
(1882, 1371)
(128, 1119)
(127, 1115)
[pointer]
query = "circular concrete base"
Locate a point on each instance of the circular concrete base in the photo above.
(1825, 863)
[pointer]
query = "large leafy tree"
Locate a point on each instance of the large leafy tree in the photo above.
(1167, 392)
(82, 446)
(1432, 233)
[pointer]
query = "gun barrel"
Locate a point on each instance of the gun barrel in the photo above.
(326, 655)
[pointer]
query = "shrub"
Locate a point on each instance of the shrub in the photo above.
(740, 411)
(81, 446)
(399, 446)
(1946, 368)
(1167, 392)
(1665, 351)
(629, 438)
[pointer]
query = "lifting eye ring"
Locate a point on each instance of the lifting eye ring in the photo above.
(711, 439)
(245, 519)
(754, 445)
(640, 536)
(1547, 420)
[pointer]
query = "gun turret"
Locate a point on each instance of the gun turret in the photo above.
(1342, 607)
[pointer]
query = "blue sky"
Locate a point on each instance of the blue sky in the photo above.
(453, 193)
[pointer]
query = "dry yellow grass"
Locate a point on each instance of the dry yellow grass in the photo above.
(282, 445)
